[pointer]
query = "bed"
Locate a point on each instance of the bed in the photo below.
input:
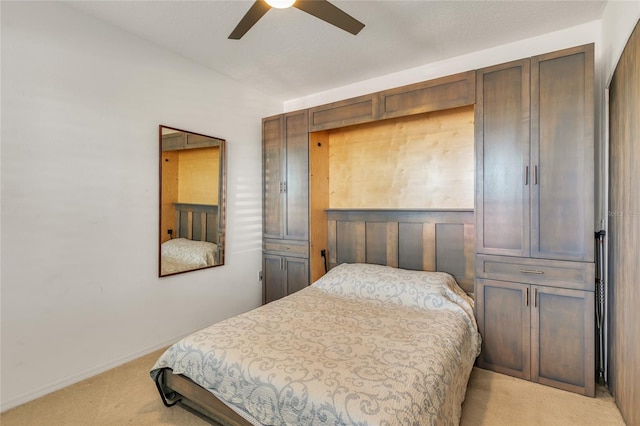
(181, 254)
(197, 239)
(364, 344)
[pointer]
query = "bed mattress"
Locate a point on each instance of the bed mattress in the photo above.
(365, 344)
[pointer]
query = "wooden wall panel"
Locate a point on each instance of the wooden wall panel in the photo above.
(435, 240)
(318, 201)
(624, 232)
(169, 182)
(199, 172)
(450, 254)
(422, 161)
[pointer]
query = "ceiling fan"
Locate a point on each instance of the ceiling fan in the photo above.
(321, 9)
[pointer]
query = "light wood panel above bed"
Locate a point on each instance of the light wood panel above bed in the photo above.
(422, 161)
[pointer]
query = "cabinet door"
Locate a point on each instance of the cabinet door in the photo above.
(562, 155)
(362, 109)
(273, 278)
(504, 320)
(283, 275)
(296, 184)
(562, 339)
(272, 175)
(297, 272)
(502, 159)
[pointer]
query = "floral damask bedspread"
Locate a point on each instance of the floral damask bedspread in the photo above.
(365, 344)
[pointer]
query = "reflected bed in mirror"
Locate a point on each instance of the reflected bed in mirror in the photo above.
(192, 201)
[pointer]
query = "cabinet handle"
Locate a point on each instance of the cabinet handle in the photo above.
(526, 175)
(535, 298)
(535, 175)
(531, 271)
(526, 302)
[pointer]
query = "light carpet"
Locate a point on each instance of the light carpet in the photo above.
(126, 395)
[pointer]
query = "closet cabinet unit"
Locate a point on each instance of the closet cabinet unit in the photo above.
(285, 151)
(535, 274)
(535, 157)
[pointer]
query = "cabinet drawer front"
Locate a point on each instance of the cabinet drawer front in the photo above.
(287, 248)
(552, 273)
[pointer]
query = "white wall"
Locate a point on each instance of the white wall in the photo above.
(575, 36)
(81, 105)
(618, 21)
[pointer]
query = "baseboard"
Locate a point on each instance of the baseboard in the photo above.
(59, 384)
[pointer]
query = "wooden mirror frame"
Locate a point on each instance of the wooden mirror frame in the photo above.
(191, 218)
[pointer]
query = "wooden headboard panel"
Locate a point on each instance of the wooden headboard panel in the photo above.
(197, 222)
(429, 240)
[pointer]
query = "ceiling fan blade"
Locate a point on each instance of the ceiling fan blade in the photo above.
(257, 11)
(329, 13)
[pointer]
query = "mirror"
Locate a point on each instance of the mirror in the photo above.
(192, 201)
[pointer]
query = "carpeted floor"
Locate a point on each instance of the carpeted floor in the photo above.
(127, 396)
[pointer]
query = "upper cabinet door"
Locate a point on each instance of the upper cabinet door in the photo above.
(502, 159)
(272, 175)
(296, 185)
(285, 155)
(562, 155)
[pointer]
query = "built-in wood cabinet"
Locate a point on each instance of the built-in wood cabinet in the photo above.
(562, 155)
(541, 333)
(535, 218)
(535, 157)
(348, 112)
(285, 150)
(502, 159)
(283, 275)
(534, 206)
(433, 95)
(439, 94)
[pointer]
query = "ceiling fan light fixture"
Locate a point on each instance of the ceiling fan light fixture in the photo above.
(280, 4)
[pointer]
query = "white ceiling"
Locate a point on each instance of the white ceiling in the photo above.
(290, 54)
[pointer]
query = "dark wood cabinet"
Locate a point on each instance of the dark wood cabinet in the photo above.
(504, 321)
(502, 159)
(433, 95)
(538, 333)
(285, 149)
(348, 112)
(284, 275)
(535, 218)
(535, 157)
(285, 144)
(562, 155)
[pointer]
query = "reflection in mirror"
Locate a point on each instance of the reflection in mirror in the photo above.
(192, 201)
